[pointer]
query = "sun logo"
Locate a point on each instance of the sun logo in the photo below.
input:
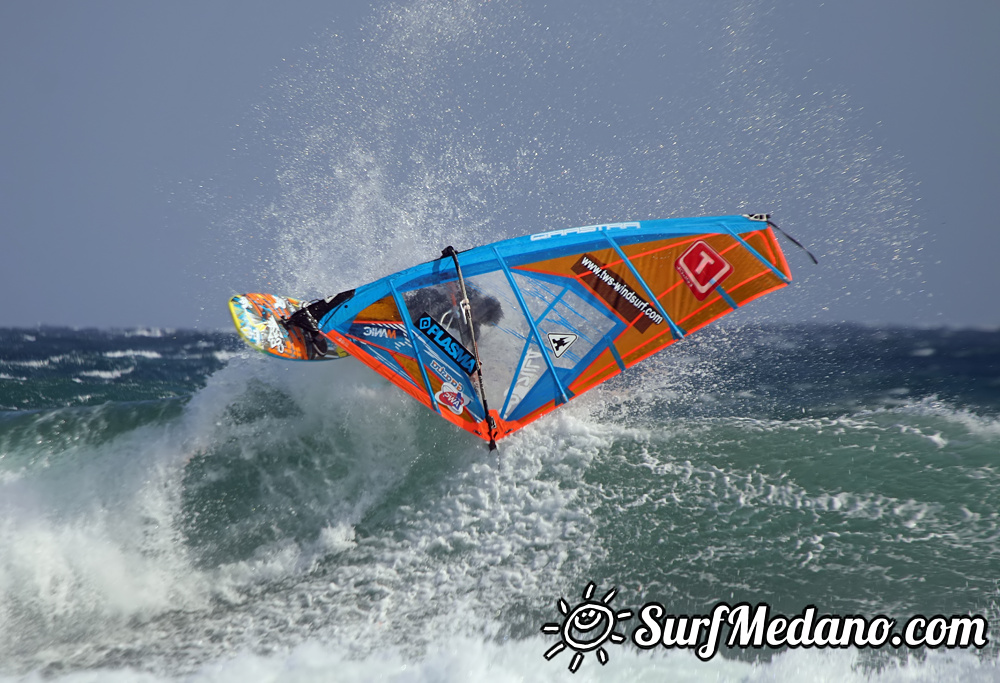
(586, 627)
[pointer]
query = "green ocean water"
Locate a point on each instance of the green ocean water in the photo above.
(219, 509)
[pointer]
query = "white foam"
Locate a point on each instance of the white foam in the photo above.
(91, 542)
(133, 353)
(973, 424)
(155, 332)
(90, 539)
(467, 660)
(45, 362)
(226, 356)
(107, 374)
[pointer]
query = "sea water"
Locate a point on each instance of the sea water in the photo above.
(174, 508)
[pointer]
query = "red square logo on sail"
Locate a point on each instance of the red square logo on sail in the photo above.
(703, 269)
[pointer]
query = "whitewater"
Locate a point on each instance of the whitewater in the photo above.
(282, 522)
(175, 507)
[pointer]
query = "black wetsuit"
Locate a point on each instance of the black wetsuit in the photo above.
(439, 301)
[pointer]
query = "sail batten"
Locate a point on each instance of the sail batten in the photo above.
(554, 314)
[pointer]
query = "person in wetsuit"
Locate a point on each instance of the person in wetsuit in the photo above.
(307, 319)
(441, 302)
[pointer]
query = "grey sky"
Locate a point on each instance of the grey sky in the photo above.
(129, 135)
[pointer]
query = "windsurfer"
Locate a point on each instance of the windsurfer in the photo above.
(441, 302)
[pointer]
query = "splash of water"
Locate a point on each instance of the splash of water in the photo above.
(462, 123)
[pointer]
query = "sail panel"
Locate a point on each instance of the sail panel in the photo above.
(555, 314)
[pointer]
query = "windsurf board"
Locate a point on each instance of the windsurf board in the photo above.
(259, 319)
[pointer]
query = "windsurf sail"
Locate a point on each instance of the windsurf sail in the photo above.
(550, 315)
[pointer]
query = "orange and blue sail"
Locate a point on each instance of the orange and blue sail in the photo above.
(555, 313)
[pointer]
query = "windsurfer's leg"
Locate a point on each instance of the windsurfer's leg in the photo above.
(315, 340)
(319, 345)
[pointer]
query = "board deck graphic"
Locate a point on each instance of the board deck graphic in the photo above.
(258, 319)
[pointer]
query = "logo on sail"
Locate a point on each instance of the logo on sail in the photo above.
(451, 397)
(560, 343)
(703, 269)
(444, 341)
(611, 286)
